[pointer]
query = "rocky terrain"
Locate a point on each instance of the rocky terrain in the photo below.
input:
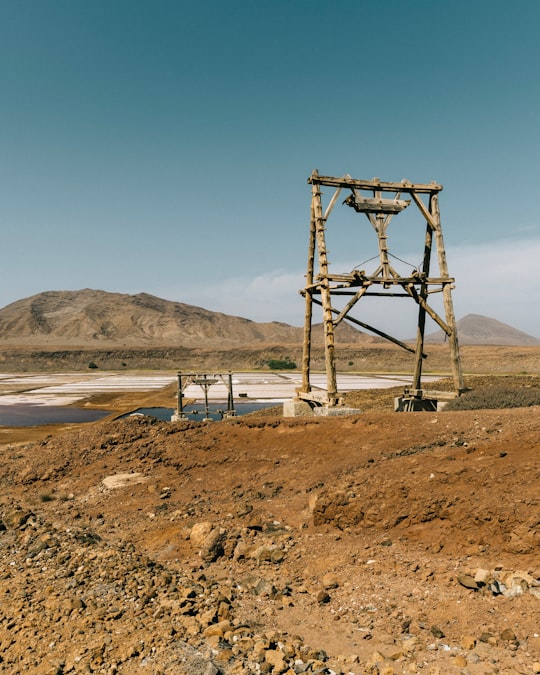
(377, 543)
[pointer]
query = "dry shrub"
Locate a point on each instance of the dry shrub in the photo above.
(493, 398)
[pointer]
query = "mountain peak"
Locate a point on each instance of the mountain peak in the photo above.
(475, 329)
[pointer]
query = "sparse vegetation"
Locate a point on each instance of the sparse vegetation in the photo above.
(92, 365)
(281, 364)
(486, 391)
(492, 398)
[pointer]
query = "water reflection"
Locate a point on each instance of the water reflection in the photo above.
(197, 411)
(28, 415)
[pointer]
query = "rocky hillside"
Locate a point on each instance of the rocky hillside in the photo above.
(92, 317)
(475, 329)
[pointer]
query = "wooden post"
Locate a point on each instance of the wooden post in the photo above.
(329, 348)
(306, 356)
(230, 396)
(420, 330)
(180, 399)
(205, 386)
(447, 296)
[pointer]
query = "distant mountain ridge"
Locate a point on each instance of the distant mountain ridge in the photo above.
(475, 329)
(95, 318)
(99, 318)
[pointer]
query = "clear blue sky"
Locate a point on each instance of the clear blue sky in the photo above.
(164, 146)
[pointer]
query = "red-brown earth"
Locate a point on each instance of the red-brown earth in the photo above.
(375, 543)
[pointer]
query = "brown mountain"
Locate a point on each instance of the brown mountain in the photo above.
(90, 318)
(475, 329)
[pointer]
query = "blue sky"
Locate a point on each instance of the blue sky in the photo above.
(164, 146)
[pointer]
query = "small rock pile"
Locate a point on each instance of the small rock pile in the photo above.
(501, 582)
(71, 602)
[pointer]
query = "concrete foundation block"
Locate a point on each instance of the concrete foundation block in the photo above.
(404, 404)
(296, 408)
(300, 408)
(335, 411)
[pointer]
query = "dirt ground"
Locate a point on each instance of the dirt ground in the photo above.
(374, 543)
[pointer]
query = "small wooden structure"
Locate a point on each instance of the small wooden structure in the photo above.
(204, 381)
(382, 202)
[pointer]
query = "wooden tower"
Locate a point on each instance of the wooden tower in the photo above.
(380, 202)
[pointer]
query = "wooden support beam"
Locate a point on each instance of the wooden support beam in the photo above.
(332, 203)
(306, 352)
(338, 291)
(372, 329)
(329, 349)
(356, 279)
(447, 297)
(423, 209)
(374, 184)
(374, 294)
(421, 325)
(352, 302)
(420, 300)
